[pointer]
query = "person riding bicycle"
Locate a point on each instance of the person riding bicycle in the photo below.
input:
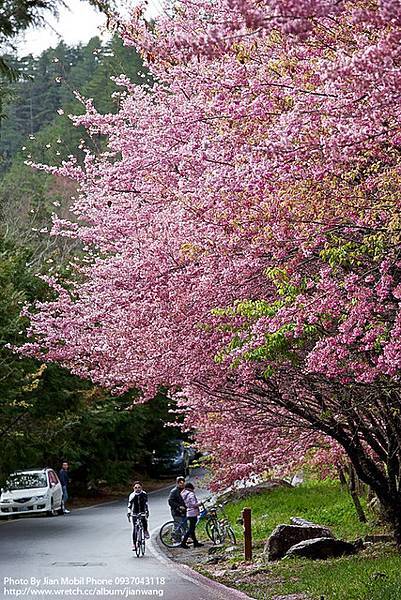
(138, 504)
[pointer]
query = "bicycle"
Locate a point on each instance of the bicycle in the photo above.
(172, 533)
(138, 533)
(218, 529)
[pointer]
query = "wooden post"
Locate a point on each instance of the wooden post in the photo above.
(246, 519)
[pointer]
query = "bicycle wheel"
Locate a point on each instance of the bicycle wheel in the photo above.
(143, 543)
(231, 535)
(215, 532)
(134, 536)
(139, 541)
(171, 535)
(208, 527)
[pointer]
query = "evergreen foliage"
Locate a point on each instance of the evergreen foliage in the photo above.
(47, 414)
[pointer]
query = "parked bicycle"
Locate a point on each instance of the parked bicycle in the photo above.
(138, 533)
(218, 528)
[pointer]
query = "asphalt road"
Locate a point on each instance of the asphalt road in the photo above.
(88, 554)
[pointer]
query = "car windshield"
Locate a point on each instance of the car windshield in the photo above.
(26, 481)
(173, 449)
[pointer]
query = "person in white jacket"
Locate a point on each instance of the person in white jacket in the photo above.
(192, 504)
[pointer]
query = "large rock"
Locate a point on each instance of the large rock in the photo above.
(285, 536)
(322, 548)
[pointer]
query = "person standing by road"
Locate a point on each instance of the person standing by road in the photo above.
(192, 505)
(64, 480)
(177, 505)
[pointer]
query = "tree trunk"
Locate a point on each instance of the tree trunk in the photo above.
(341, 476)
(393, 516)
(397, 530)
(354, 495)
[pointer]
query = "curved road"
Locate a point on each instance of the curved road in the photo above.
(87, 554)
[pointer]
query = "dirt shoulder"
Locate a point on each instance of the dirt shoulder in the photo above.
(225, 565)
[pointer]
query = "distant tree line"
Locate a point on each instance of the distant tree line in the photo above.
(46, 413)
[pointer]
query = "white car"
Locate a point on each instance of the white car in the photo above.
(32, 492)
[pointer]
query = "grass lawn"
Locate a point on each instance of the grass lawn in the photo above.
(372, 574)
(322, 502)
(368, 576)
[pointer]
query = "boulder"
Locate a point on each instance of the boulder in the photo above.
(322, 548)
(285, 536)
(297, 479)
(358, 544)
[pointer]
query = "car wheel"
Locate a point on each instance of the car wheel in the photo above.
(52, 512)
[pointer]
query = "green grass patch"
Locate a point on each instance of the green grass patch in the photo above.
(322, 502)
(360, 577)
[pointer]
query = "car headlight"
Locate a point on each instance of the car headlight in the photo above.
(38, 498)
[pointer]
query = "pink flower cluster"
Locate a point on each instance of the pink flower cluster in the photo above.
(243, 223)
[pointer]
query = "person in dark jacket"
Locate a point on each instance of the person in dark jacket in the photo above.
(177, 504)
(64, 480)
(138, 504)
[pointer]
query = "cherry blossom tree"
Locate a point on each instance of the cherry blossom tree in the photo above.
(242, 233)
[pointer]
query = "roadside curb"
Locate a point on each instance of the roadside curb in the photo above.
(222, 591)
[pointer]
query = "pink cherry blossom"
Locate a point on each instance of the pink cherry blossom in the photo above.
(242, 234)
